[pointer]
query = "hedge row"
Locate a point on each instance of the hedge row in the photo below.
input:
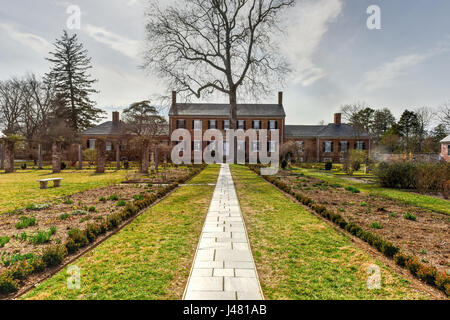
(10, 279)
(428, 274)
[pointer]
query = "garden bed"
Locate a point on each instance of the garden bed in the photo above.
(76, 211)
(47, 235)
(419, 232)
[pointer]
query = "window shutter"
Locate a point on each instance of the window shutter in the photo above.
(364, 146)
(209, 124)
(323, 146)
(276, 124)
(332, 146)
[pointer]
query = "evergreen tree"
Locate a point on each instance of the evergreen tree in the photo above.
(73, 83)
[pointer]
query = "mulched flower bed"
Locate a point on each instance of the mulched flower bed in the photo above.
(417, 231)
(75, 211)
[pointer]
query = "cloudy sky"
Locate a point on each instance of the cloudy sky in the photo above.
(336, 59)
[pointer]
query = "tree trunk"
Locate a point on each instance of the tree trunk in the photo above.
(56, 157)
(144, 156)
(40, 156)
(80, 157)
(118, 155)
(9, 156)
(156, 158)
(2, 156)
(233, 120)
(101, 156)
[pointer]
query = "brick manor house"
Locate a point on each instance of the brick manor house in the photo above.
(315, 143)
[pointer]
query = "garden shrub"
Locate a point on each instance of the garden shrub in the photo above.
(409, 216)
(396, 175)
(54, 255)
(376, 225)
(427, 274)
(431, 177)
(121, 203)
(92, 209)
(77, 239)
(413, 265)
(328, 166)
(25, 222)
(92, 231)
(114, 197)
(401, 259)
(21, 270)
(38, 207)
(3, 241)
(64, 216)
(352, 189)
(7, 283)
(284, 164)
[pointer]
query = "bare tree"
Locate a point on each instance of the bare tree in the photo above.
(143, 122)
(10, 112)
(203, 46)
(444, 114)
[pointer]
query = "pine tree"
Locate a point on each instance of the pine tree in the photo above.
(73, 83)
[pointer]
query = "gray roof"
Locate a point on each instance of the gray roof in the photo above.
(324, 131)
(223, 110)
(108, 129)
(446, 139)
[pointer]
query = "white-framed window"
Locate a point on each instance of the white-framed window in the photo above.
(241, 124)
(273, 125)
(91, 144)
(226, 148)
(343, 146)
(272, 146)
(255, 146)
(198, 124)
(328, 146)
(256, 124)
(108, 145)
(300, 146)
(212, 124)
(181, 124)
(360, 145)
(197, 145)
(226, 124)
(241, 145)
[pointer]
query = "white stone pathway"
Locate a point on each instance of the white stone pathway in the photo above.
(223, 267)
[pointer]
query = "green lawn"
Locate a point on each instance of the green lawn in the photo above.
(148, 259)
(298, 256)
(21, 188)
(423, 201)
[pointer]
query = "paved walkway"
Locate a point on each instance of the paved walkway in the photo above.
(223, 265)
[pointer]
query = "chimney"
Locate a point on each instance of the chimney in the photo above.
(280, 98)
(115, 117)
(174, 98)
(337, 118)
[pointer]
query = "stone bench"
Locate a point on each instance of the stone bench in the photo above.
(44, 182)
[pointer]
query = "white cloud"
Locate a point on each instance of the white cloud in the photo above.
(116, 42)
(307, 24)
(389, 72)
(30, 40)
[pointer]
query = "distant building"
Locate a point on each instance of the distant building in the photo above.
(445, 148)
(321, 143)
(316, 143)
